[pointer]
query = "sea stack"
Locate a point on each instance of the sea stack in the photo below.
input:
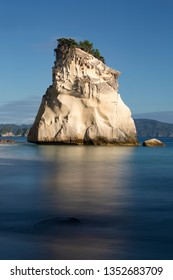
(82, 106)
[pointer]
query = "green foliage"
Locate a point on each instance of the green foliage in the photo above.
(151, 128)
(17, 130)
(5, 129)
(85, 45)
(67, 41)
(96, 53)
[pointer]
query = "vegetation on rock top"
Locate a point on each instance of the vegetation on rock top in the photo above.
(85, 45)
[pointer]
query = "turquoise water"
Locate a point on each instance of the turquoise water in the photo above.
(68, 202)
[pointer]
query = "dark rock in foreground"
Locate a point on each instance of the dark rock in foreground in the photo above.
(57, 221)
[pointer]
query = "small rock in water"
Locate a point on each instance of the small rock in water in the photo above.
(7, 141)
(153, 142)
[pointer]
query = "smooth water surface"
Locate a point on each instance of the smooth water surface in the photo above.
(75, 202)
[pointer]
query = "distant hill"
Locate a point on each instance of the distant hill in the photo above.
(153, 128)
(162, 116)
(145, 128)
(14, 130)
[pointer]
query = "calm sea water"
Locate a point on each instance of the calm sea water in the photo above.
(68, 202)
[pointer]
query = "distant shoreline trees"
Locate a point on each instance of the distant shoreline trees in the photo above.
(85, 45)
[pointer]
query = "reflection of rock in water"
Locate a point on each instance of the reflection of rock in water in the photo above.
(86, 178)
(83, 183)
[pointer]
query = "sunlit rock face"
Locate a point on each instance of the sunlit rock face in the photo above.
(153, 142)
(82, 106)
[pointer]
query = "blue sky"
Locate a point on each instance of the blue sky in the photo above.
(134, 36)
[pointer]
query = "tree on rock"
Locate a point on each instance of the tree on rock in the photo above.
(96, 54)
(85, 45)
(67, 41)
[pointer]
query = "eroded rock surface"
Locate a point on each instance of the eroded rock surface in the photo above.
(83, 106)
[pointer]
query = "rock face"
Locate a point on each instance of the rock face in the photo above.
(82, 106)
(153, 142)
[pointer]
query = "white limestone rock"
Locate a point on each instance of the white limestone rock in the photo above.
(83, 106)
(153, 142)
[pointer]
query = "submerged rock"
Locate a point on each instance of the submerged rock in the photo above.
(57, 222)
(83, 105)
(153, 142)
